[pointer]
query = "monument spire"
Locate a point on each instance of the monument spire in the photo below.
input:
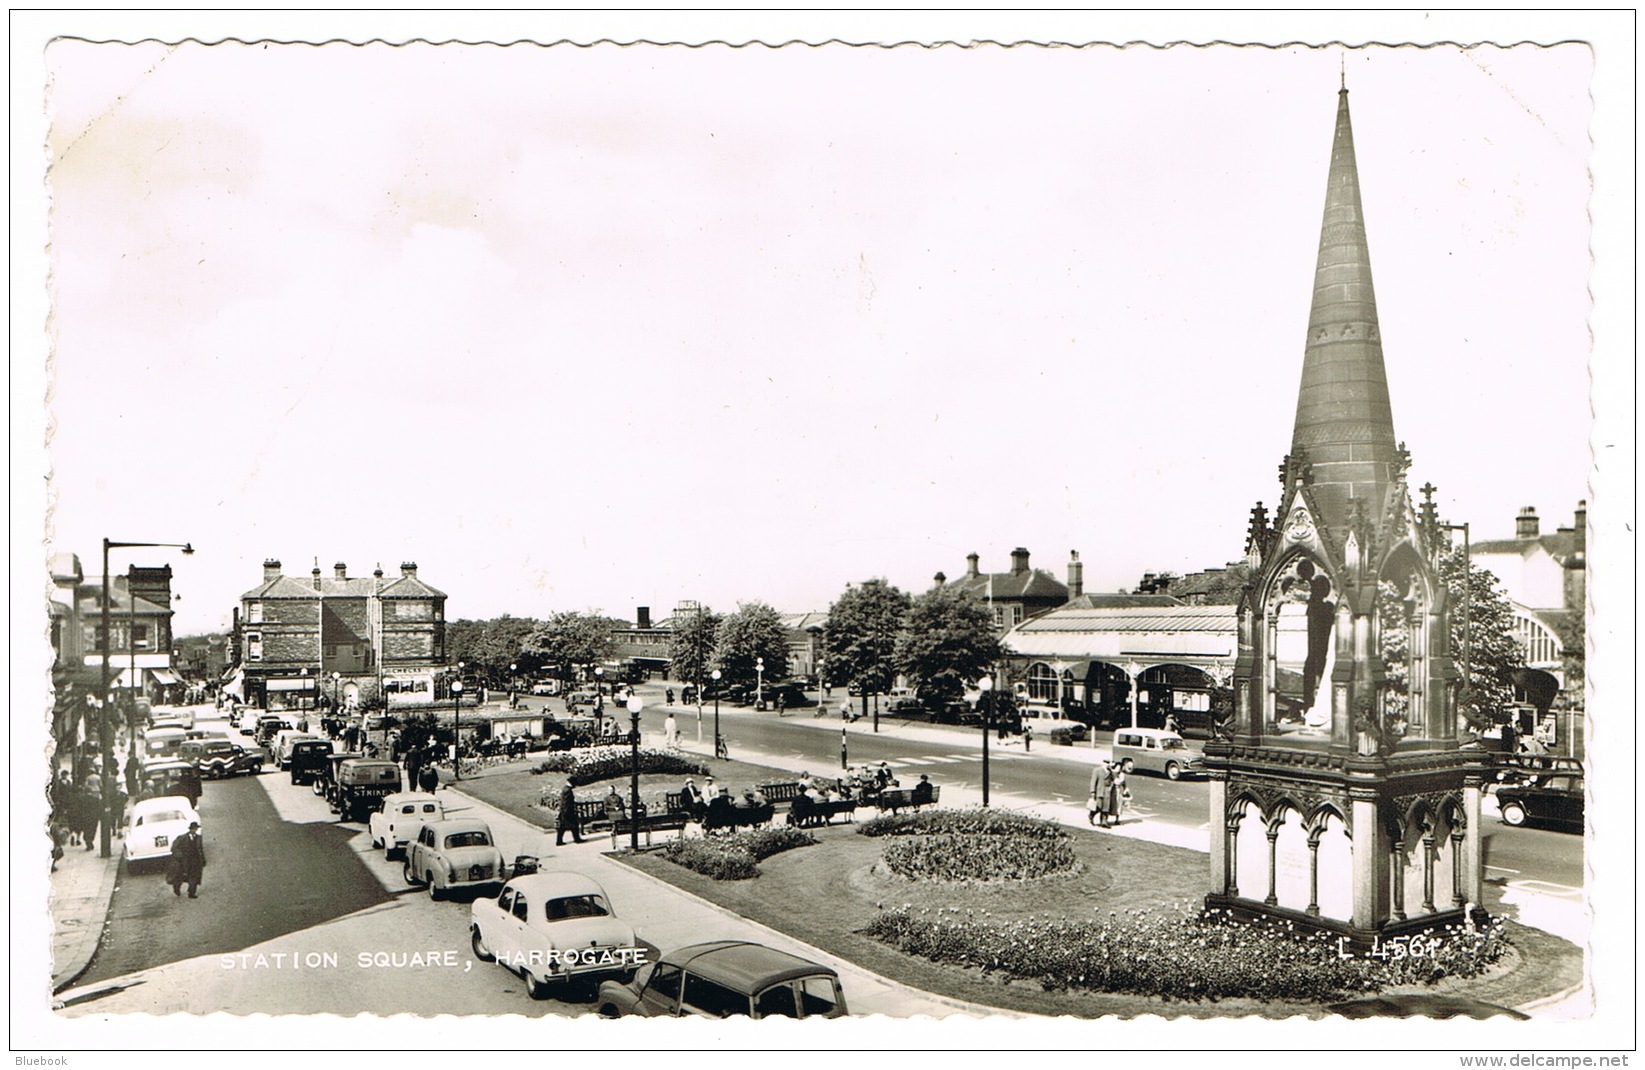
(1344, 429)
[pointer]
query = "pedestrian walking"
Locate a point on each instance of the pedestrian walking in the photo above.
(429, 779)
(1121, 796)
(1027, 738)
(671, 696)
(188, 861)
(567, 820)
(1102, 783)
(671, 732)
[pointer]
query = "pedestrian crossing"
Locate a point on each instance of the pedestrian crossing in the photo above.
(946, 759)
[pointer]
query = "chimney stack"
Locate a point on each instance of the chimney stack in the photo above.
(1019, 561)
(1076, 575)
(271, 569)
(1582, 526)
(971, 565)
(939, 579)
(341, 570)
(1527, 526)
(643, 617)
(408, 570)
(316, 575)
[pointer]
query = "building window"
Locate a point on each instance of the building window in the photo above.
(999, 616)
(1016, 616)
(254, 613)
(254, 647)
(140, 637)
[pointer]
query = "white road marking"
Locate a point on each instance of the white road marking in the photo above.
(940, 758)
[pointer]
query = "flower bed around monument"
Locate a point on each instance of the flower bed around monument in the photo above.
(1181, 956)
(972, 857)
(733, 857)
(591, 764)
(961, 822)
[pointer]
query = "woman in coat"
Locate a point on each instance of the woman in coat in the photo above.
(1099, 805)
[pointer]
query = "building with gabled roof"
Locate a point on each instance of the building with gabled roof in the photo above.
(1020, 593)
(339, 639)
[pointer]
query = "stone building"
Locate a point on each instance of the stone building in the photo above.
(1021, 593)
(342, 639)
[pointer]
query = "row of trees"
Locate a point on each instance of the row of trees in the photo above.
(941, 641)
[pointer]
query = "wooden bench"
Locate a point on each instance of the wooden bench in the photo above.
(821, 813)
(895, 799)
(623, 826)
(590, 812)
(785, 791)
(739, 817)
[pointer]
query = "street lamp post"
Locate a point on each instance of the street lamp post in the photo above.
(599, 691)
(456, 734)
(718, 746)
(513, 678)
(337, 691)
(986, 686)
(759, 683)
(635, 705)
(105, 737)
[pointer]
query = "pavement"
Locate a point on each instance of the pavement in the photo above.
(82, 887)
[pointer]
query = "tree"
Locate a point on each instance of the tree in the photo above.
(861, 636)
(753, 632)
(948, 642)
(571, 640)
(489, 647)
(691, 647)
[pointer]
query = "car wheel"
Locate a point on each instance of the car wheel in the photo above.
(475, 941)
(316, 788)
(409, 874)
(1513, 814)
(1127, 765)
(434, 894)
(1173, 771)
(534, 988)
(609, 1010)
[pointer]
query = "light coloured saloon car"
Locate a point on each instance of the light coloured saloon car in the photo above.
(403, 816)
(725, 979)
(454, 853)
(155, 825)
(554, 928)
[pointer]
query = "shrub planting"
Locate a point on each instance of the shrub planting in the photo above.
(1183, 956)
(971, 857)
(962, 822)
(602, 763)
(733, 857)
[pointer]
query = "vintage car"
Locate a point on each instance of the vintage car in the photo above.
(403, 815)
(357, 786)
(309, 760)
(280, 747)
(554, 928)
(155, 825)
(1045, 720)
(268, 727)
(172, 777)
(217, 758)
(726, 978)
(1554, 799)
(181, 716)
(1154, 750)
(162, 743)
(457, 852)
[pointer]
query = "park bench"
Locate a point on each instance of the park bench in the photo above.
(785, 791)
(739, 817)
(590, 812)
(821, 813)
(895, 799)
(649, 823)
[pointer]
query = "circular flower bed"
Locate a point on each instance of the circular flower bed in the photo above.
(733, 857)
(602, 763)
(973, 857)
(962, 822)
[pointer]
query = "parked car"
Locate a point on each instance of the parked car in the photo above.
(172, 777)
(268, 727)
(180, 716)
(1553, 799)
(402, 816)
(1512, 769)
(727, 978)
(163, 743)
(155, 825)
(359, 786)
(791, 694)
(280, 748)
(908, 708)
(453, 853)
(960, 713)
(1047, 719)
(308, 760)
(553, 928)
(218, 758)
(1154, 750)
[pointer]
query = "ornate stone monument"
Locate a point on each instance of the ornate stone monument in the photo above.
(1341, 800)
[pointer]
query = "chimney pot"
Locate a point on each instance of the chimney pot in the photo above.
(408, 570)
(316, 575)
(271, 569)
(1076, 575)
(1019, 561)
(939, 579)
(1581, 526)
(341, 569)
(643, 616)
(1526, 526)
(971, 564)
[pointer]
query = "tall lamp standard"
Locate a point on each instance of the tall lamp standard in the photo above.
(759, 683)
(337, 691)
(986, 686)
(635, 705)
(105, 737)
(715, 676)
(456, 735)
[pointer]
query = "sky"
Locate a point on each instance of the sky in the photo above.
(597, 328)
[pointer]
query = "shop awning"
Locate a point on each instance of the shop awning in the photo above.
(163, 677)
(289, 683)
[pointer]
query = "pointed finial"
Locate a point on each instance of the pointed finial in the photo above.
(1342, 61)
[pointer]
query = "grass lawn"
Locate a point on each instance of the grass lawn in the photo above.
(825, 894)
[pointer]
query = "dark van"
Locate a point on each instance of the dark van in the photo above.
(362, 784)
(309, 760)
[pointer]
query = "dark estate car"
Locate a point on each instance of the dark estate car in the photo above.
(309, 761)
(172, 778)
(217, 758)
(1554, 799)
(727, 978)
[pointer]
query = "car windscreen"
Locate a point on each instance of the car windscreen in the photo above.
(475, 838)
(577, 906)
(1169, 743)
(160, 815)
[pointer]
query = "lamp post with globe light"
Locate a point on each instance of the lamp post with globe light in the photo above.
(635, 705)
(719, 746)
(456, 732)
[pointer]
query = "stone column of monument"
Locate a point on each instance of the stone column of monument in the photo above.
(1350, 764)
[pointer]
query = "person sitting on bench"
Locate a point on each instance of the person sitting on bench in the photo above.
(922, 791)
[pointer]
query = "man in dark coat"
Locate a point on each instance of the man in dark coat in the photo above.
(719, 813)
(568, 818)
(188, 861)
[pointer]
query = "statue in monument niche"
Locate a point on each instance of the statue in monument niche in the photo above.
(1310, 586)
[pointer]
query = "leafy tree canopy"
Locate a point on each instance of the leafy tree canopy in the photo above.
(489, 647)
(570, 640)
(691, 647)
(754, 631)
(861, 636)
(949, 641)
